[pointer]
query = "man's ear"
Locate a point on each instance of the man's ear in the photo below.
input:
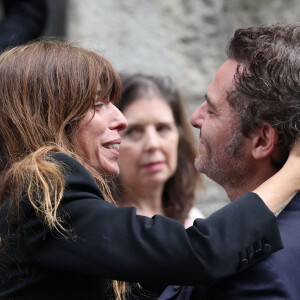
(264, 140)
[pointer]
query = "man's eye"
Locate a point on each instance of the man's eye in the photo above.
(209, 112)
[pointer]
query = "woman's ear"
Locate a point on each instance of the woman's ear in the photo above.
(264, 141)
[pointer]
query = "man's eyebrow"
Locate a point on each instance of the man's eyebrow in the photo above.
(208, 100)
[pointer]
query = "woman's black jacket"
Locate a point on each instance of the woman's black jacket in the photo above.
(107, 242)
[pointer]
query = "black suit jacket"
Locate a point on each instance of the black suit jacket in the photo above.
(274, 278)
(107, 242)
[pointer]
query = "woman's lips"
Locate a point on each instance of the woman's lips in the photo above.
(114, 152)
(113, 147)
(155, 166)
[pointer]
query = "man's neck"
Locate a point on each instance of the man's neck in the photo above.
(254, 181)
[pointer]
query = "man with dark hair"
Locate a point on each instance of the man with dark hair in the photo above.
(248, 124)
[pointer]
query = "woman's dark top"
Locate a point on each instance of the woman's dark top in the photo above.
(107, 242)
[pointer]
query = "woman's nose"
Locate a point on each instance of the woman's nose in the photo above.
(119, 120)
(152, 139)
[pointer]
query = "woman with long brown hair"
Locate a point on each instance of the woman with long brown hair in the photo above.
(157, 172)
(61, 234)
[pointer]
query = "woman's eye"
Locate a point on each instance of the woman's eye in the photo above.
(164, 128)
(133, 133)
(98, 105)
(101, 103)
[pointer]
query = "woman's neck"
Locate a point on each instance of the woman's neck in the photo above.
(147, 200)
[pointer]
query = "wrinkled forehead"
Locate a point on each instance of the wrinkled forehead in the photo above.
(224, 79)
(222, 84)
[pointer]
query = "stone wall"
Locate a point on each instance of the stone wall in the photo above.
(185, 39)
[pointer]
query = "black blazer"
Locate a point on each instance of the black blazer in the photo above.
(274, 278)
(114, 243)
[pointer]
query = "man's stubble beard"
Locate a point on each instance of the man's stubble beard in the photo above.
(226, 166)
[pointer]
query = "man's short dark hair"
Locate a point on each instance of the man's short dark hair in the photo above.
(267, 81)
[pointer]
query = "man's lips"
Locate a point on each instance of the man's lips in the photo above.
(200, 138)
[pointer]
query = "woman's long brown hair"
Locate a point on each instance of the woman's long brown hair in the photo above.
(179, 190)
(46, 87)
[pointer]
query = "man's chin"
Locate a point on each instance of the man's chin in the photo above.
(200, 165)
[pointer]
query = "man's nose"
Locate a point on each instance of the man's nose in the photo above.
(198, 116)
